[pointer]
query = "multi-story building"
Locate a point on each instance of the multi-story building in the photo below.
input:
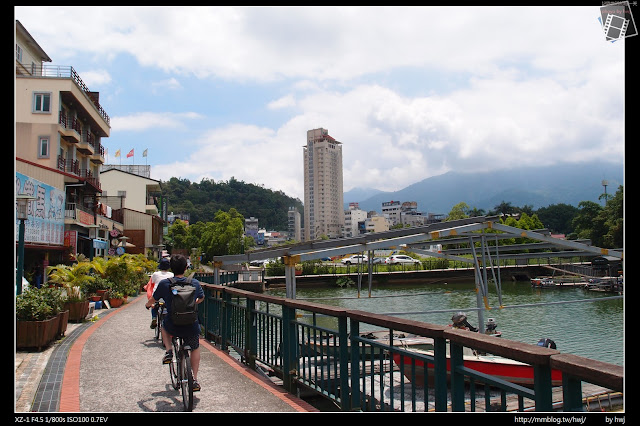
(351, 219)
(323, 196)
(293, 224)
(59, 128)
(251, 228)
(376, 224)
(391, 210)
(135, 200)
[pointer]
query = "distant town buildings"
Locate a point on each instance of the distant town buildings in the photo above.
(352, 217)
(294, 226)
(251, 228)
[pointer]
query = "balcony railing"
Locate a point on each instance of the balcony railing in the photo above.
(72, 166)
(69, 122)
(60, 71)
(68, 165)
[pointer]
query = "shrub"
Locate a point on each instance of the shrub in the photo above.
(344, 282)
(33, 305)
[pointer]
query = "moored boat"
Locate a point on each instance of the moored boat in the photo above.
(542, 282)
(330, 346)
(493, 365)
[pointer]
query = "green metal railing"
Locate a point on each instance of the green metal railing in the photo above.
(319, 347)
(225, 277)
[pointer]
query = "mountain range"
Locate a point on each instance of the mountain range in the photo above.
(568, 183)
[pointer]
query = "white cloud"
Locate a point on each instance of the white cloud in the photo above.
(283, 102)
(168, 84)
(150, 120)
(411, 92)
(95, 78)
(341, 43)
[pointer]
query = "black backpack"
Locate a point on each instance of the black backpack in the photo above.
(184, 310)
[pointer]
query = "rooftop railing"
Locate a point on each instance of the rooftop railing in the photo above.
(62, 71)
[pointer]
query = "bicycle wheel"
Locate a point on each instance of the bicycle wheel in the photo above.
(174, 368)
(158, 322)
(186, 380)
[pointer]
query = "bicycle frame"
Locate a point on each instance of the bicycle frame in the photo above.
(180, 371)
(159, 306)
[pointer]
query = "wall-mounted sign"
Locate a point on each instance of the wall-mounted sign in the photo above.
(45, 223)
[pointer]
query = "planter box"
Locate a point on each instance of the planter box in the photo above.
(36, 334)
(63, 318)
(77, 310)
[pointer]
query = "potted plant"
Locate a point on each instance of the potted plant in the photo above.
(73, 279)
(92, 287)
(36, 322)
(116, 298)
(55, 298)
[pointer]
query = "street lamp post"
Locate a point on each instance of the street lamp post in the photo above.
(22, 204)
(93, 235)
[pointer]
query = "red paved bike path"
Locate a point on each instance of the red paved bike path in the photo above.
(233, 386)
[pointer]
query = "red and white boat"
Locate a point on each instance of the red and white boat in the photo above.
(542, 282)
(496, 366)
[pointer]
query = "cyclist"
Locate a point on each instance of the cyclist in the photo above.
(155, 278)
(190, 333)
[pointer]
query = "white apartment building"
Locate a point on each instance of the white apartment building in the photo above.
(323, 196)
(293, 225)
(391, 210)
(351, 219)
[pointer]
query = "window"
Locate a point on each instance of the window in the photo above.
(18, 53)
(42, 102)
(43, 147)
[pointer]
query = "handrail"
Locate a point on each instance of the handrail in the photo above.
(266, 330)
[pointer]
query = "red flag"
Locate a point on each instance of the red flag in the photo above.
(130, 154)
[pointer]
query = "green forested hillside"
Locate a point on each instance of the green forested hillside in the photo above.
(202, 200)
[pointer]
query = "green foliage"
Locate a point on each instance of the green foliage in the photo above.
(344, 282)
(203, 200)
(54, 297)
(35, 305)
(274, 269)
(310, 267)
(127, 273)
(602, 225)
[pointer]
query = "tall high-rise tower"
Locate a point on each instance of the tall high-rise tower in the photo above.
(323, 205)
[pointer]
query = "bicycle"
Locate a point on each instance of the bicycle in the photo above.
(180, 371)
(160, 309)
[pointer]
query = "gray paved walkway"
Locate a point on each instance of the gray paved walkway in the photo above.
(114, 365)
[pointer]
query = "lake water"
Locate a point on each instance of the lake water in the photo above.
(593, 329)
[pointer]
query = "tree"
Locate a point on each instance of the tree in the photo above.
(613, 215)
(589, 223)
(558, 217)
(224, 235)
(459, 211)
(178, 234)
(504, 209)
(475, 212)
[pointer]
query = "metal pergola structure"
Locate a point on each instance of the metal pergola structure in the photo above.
(470, 231)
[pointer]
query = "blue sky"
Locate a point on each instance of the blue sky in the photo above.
(411, 92)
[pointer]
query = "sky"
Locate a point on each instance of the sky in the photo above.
(411, 92)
